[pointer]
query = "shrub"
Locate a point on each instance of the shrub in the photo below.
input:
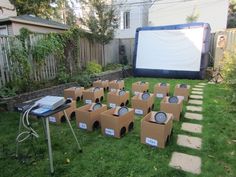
(93, 68)
(84, 79)
(112, 66)
(229, 72)
(62, 76)
(7, 92)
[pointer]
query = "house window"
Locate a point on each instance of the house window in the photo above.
(126, 20)
(3, 30)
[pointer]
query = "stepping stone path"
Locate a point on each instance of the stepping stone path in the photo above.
(197, 89)
(193, 116)
(197, 92)
(189, 141)
(196, 96)
(199, 86)
(188, 162)
(196, 102)
(193, 128)
(194, 108)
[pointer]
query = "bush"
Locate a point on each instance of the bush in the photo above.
(229, 72)
(93, 68)
(62, 75)
(7, 92)
(112, 66)
(84, 79)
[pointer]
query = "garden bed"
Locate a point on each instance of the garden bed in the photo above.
(10, 102)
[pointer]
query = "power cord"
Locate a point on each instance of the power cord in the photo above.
(29, 132)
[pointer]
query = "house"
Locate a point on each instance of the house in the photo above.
(6, 9)
(132, 14)
(12, 25)
(167, 12)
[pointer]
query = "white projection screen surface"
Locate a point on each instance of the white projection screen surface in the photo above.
(178, 50)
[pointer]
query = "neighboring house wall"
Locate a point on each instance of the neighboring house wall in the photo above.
(138, 16)
(39, 29)
(8, 9)
(167, 12)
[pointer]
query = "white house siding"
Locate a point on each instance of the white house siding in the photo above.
(167, 12)
(5, 4)
(138, 16)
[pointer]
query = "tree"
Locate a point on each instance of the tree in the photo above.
(39, 8)
(232, 14)
(43, 8)
(101, 20)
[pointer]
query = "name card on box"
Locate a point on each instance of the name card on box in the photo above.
(52, 119)
(151, 141)
(112, 105)
(138, 111)
(82, 125)
(159, 95)
(109, 131)
(88, 101)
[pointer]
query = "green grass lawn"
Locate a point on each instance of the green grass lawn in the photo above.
(107, 157)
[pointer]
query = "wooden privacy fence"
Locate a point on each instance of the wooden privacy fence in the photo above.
(88, 51)
(46, 72)
(221, 42)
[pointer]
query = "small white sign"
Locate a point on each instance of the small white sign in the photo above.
(109, 131)
(113, 90)
(52, 119)
(159, 95)
(112, 105)
(82, 125)
(88, 101)
(151, 141)
(138, 111)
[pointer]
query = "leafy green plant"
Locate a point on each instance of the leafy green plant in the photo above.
(7, 92)
(84, 79)
(62, 75)
(229, 72)
(93, 68)
(112, 66)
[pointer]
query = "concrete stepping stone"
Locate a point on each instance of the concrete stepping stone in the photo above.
(189, 141)
(199, 86)
(202, 83)
(195, 102)
(198, 89)
(194, 108)
(197, 92)
(196, 96)
(193, 128)
(185, 162)
(193, 116)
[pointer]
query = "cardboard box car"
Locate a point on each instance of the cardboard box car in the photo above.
(142, 107)
(116, 84)
(60, 117)
(75, 93)
(93, 95)
(114, 99)
(160, 91)
(102, 84)
(184, 92)
(140, 86)
(173, 108)
(87, 119)
(117, 126)
(155, 134)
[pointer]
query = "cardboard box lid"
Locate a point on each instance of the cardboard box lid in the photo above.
(152, 118)
(165, 100)
(73, 88)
